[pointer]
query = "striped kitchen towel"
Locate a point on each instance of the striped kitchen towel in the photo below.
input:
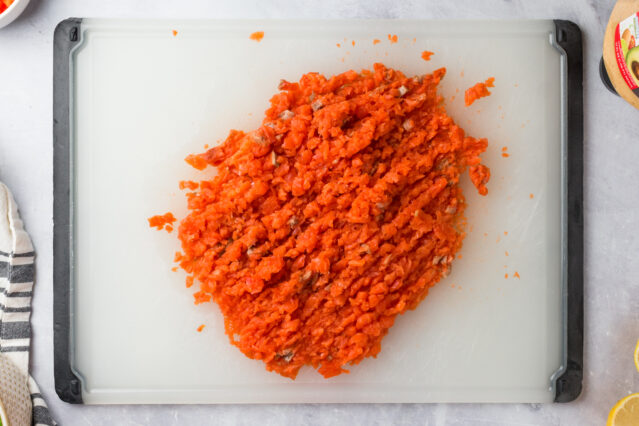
(16, 284)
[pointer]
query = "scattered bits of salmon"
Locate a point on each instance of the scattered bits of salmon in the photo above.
(188, 184)
(506, 276)
(257, 36)
(339, 213)
(426, 55)
(392, 38)
(161, 221)
(504, 152)
(505, 232)
(479, 90)
(353, 43)
(338, 44)
(376, 41)
(200, 328)
(506, 253)
(196, 161)
(516, 275)
(531, 196)
(174, 269)
(174, 33)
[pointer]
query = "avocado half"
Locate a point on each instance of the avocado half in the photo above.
(632, 60)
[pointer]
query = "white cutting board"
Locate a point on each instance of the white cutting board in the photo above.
(144, 99)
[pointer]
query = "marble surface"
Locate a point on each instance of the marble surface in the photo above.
(611, 203)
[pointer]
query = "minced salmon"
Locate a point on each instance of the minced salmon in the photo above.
(257, 36)
(426, 55)
(337, 214)
(479, 90)
(164, 221)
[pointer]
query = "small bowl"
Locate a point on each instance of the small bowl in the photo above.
(9, 15)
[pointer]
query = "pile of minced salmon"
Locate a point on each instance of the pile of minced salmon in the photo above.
(334, 216)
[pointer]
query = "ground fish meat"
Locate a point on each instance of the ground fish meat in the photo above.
(478, 91)
(314, 231)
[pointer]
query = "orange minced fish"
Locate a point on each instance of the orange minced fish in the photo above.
(196, 161)
(187, 184)
(337, 214)
(479, 90)
(426, 55)
(257, 36)
(162, 221)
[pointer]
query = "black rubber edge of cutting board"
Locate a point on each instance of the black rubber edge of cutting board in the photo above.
(568, 386)
(67, 384)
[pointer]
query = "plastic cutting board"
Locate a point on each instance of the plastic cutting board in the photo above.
(132, 100)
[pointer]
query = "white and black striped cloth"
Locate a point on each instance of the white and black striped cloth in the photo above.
(16, 286)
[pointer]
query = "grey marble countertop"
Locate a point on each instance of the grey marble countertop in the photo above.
(611, 205)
